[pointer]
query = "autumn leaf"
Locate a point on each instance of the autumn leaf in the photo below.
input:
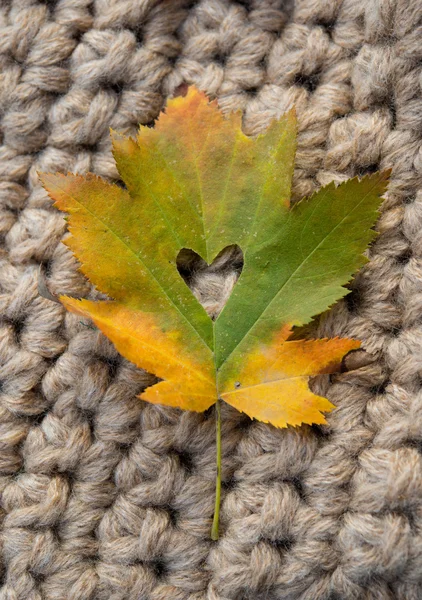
(196, 181)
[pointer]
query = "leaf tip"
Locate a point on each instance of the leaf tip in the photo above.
(291, 114)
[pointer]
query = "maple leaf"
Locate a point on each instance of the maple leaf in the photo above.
(196, 181)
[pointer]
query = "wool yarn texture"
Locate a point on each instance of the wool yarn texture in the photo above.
(105, 497)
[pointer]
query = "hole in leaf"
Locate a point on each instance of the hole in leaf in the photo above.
(189, 262)
(211, 284)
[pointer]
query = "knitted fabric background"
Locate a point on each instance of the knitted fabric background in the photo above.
(104, 497)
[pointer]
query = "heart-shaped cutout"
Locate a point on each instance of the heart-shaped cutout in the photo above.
(211, 284)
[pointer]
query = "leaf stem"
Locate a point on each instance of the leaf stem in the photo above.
(216, 520)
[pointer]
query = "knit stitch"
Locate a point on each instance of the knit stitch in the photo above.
(105, 497)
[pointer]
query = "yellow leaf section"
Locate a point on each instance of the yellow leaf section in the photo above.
(189, 378)
(272, 385)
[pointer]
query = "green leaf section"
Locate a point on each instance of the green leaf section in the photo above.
(199, 176)
(296, 263)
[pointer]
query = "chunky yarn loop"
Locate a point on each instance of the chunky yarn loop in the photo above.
(104, 497)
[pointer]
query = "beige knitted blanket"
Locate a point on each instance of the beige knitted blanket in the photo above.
(104, 497)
